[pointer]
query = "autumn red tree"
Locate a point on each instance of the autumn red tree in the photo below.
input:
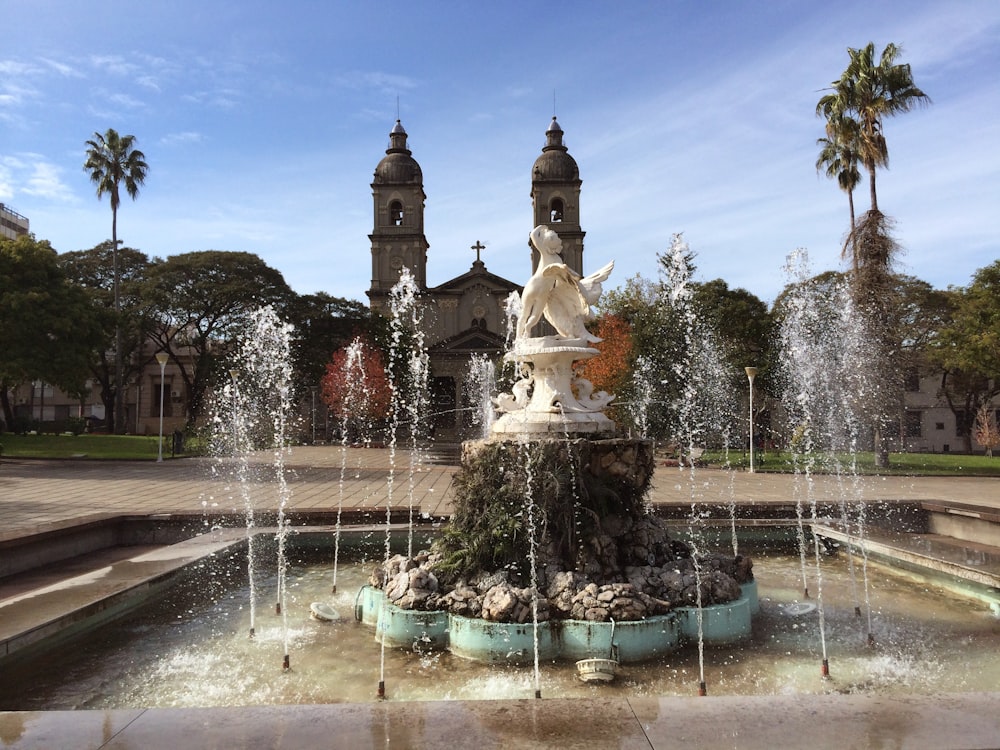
(355, 387)
(985, 430)
(610, 370)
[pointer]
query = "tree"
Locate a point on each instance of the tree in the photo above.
(868, 92)
(838, 158)
(649, 395)
(323, 325)
(355, 387)
(741, 322)
(202, 302)
(967, 348)
(112, 160)
(48, 326)
(609, 371)
(92, 271)
(987, 433)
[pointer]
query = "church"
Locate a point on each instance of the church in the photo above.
(464, 315)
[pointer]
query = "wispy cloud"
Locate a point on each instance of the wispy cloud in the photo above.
(381, 82)
(115, 64)
(219, 98)
(181, 139)
(32, 175)
(17, 68)
(63, 69)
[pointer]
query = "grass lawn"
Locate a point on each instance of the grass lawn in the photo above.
(900, 464)
(82, 446)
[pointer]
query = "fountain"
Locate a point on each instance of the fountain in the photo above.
(551, 552)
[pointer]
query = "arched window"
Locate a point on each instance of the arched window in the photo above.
(396, 213)
(556, 210)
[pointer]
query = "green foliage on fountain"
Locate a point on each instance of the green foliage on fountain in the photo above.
(574, 485)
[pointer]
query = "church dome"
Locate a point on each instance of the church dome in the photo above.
(555, 164)
(398, 167)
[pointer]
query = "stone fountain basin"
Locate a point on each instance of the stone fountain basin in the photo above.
(569, 640)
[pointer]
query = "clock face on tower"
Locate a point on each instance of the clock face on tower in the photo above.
(396, 262)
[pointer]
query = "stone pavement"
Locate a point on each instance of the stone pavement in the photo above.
(37, 495)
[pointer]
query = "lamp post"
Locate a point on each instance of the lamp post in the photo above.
(236, 417)
(161, 357)
(751, 373)
(313, 420)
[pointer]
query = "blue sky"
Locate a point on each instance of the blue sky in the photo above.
(262, 123)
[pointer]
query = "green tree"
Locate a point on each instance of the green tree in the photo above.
(838, 159)
(202, 302)
(323, 325)
(647, 399)
(48, 326)
(742, 323)
(92, 271)
(113, 161)
(967, 348)
(868, 91)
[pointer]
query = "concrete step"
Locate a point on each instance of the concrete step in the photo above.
(970, 569)
(964, 521)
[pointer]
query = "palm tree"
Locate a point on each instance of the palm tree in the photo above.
(868, 92)
(865, 94)
(838, 158)
(112, 160)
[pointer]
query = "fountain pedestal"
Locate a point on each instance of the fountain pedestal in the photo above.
(560, 402)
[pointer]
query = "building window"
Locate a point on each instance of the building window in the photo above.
(155, 392)
(963, 423)
(556, 210)
(913, 424)
(396, 213)
(939, 425)
(443, 401)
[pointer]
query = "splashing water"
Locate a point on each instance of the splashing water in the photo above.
(357, 410)
(826, 384)
(705, 407)
(408, 375)
(259, 400)
(480, 385)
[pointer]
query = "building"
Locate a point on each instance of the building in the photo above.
(12, 224)
(929, 425)
(465, 315)
(41, 406)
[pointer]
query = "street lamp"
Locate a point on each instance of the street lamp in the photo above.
(161, 357)
(313, 420)
(751, 372)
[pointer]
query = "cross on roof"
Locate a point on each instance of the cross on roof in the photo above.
(478, 247)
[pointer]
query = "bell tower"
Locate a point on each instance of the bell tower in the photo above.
(555, 197)
(398, 239)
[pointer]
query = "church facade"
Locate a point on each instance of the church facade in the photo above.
(465, 315)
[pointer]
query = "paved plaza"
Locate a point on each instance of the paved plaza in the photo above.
(42, 496)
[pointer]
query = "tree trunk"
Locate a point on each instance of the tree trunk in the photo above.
(118, 426)
(8, 411)
(853, 235)
(871, 185)
(881, 448)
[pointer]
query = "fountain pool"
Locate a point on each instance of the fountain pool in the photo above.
(191, 647)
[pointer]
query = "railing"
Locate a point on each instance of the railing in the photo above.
(8, 210)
